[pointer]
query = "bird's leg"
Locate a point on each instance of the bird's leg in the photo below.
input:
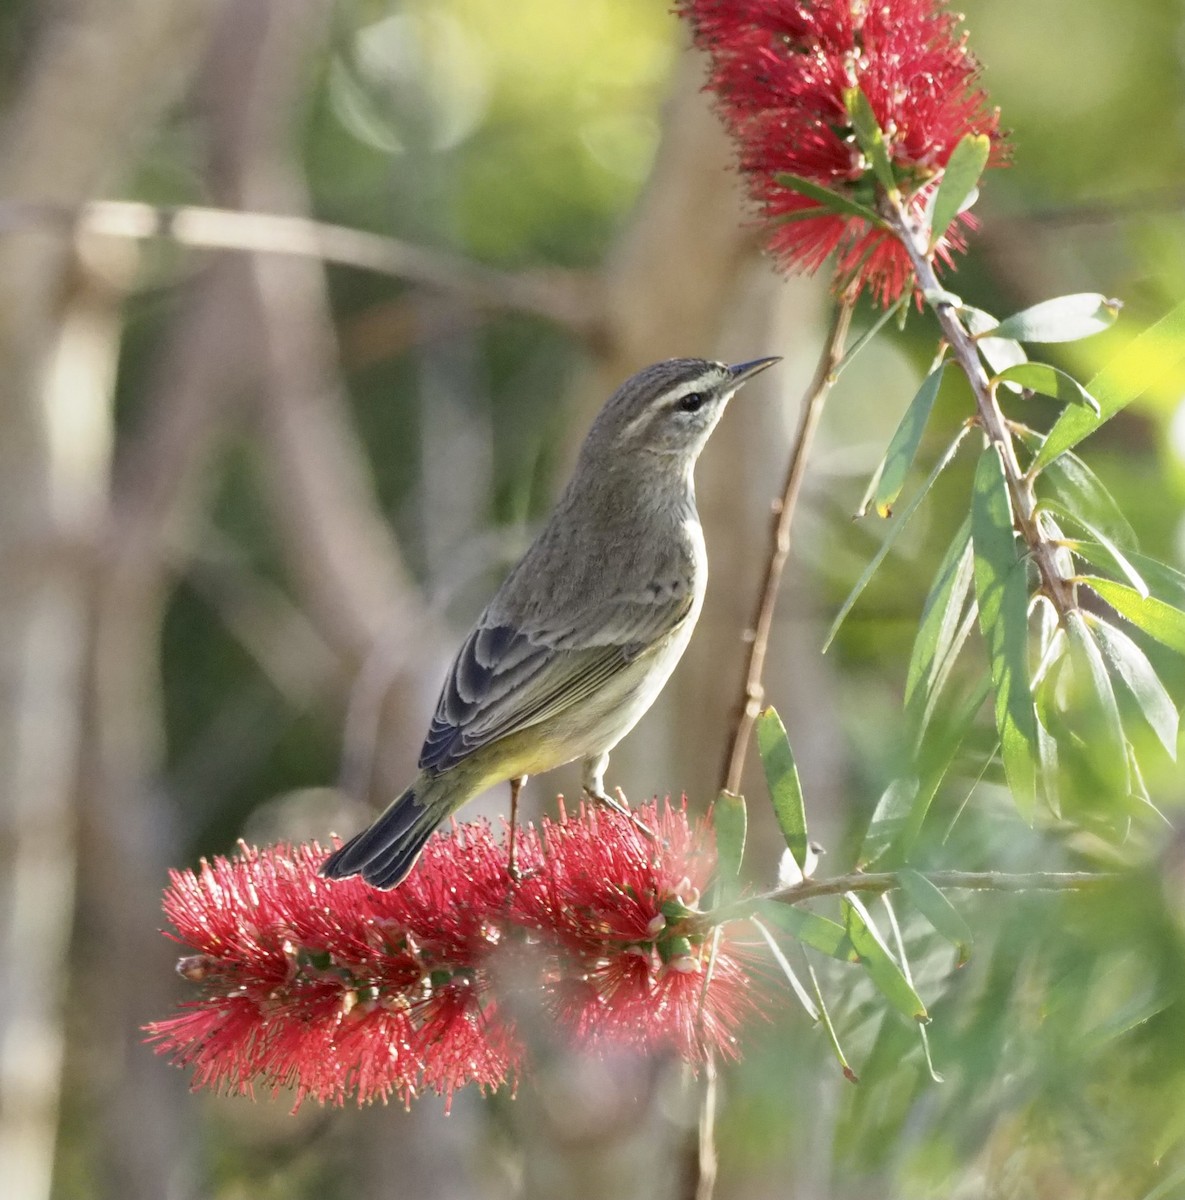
(592, 779)
(516, 786)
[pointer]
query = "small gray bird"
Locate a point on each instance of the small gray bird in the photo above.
(587, 628)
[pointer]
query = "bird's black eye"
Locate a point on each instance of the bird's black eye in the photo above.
(692, 402)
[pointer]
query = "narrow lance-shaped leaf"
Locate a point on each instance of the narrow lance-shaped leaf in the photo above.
(730, 822)
(1131, 665)
(894, 531)
(889, 817)
(870, 137)
(785, 789)
(1106, 742)
(1156, 618)
(1086, 497)
(959, 181)
(940, 614)
(1001, 587)
(1064, 319)
(1119, 560)
(829, 1028)
(1163, 580)
(833, 202)
(874, 955)
(904, 444)
(791, 977)
(1049, 381)
(899, 943)
(938, 910)
(1142, 364)
(820, 933)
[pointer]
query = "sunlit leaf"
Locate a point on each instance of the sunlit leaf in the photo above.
(812, 930)
(1086, 498)
(1143, 363)
(1106, 742)
(1064, 319)
(904, 444)
(869, 136)
(833, 202)
(938, 910)
(999, 353)
(1049, 381)
(875, 956)
(959, 181)
(1119, 560)
(895, 529)
(889, 817)
(1001, 586)
(785, 788)
(1130, 664)
(941, 612)
(1156, 618)
(1163, 580)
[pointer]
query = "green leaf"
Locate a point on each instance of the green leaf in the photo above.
(889, 817)
(812, 930)
(1161, 578)
(791, 977)
(1105, 741)
(1000, 353)
(938, 910)
(1001, 587)
(730, 822)
(1065, 319)
(882, 968)
(1049, 381)
(1142, 364)
(785, 789)
(832, 1037)
(1130, 664)
(870, 137)
(959, 181)
(1119, 560)
(894, 530)
(941, 612)
(1086, 498)
(833, 202)
(904, 445)
(1156, 618)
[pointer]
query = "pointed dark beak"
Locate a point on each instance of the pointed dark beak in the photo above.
(743, 372)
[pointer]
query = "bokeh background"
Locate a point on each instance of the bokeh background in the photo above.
(248, 502)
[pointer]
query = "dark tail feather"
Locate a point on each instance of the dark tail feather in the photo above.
(385, 851)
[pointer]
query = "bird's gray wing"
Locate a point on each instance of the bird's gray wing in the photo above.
(506, 678)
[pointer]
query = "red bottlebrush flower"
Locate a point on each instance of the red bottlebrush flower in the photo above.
(779, 69)
(337, 989)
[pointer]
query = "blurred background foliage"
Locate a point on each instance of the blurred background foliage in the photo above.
(523, 137)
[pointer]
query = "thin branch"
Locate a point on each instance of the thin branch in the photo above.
(564, 297)
(887, 881)
(1056, 587)
(753, 689)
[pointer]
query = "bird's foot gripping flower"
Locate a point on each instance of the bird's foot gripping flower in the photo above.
(339, 990)
(832, 104)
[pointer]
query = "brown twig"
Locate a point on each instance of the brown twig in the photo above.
(1058, 589)
(886, 881)
(753, 689)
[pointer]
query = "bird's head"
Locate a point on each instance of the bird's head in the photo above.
(669, 409)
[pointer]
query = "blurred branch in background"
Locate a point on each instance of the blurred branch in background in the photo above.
(94, 84)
